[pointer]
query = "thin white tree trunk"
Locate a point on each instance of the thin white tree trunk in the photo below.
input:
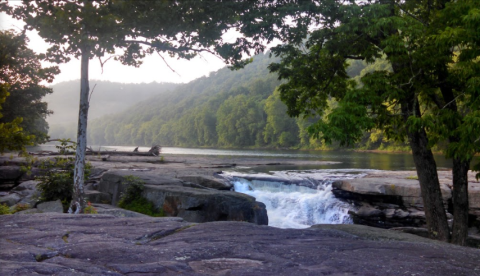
(78, 201)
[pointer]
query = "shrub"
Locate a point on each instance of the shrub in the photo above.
(5, 210)
(56, 181)
(133, 200)
(90, 209)
(20, 207)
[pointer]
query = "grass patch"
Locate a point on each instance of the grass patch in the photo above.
(5, 210)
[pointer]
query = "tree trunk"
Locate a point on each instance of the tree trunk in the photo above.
(460, 201)
(460, 165)
(78, 200)
(430, 186)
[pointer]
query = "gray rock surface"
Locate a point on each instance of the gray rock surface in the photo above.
(50, 206)
(386, 202)
(106, 209)
(208, 181)
(29, 193)
(10, 199)
(62, 244)
(10, 173)
(192, 202)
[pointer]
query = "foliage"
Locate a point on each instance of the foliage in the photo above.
(65, 146)
(11, 135)
(133, 200)
(56, 180)
(5, 210)
(425, 90)
(189, 116)
(21, 78)
(90, 209)
(21, 207)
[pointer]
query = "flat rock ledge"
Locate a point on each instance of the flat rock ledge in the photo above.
(190, 201)
(388, 202)
(62, 244)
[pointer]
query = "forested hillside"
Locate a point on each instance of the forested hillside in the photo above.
(232, 109)
(106, 98)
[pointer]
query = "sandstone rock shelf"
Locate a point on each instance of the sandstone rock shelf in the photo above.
(61, 244)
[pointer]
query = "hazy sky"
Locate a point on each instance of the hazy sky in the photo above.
(153, 68)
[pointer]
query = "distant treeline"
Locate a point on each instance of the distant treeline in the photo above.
(229, 109)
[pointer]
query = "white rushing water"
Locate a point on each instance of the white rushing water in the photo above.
(297, 199)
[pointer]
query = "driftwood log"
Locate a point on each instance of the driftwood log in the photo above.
(154, 151)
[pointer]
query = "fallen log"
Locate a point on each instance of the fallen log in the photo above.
(123, 153)
(154, 151)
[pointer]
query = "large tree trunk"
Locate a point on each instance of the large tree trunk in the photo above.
(78, 201)
(460, 165)
(430, 186)
(460, 201)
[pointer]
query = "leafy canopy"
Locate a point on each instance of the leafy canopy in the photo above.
(22, 117)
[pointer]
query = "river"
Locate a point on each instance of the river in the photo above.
(298, 196)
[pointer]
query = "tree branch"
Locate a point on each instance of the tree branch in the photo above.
(168, 64)
(411, 15)
(354, 57)
(90, 96)
(172, 49)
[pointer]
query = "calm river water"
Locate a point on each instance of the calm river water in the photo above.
(347, 159)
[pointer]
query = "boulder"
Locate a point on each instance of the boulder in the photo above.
(50, 207)
(29, 193)
(10, 173)
(190, 201)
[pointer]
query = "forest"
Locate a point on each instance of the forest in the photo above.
(227, 109)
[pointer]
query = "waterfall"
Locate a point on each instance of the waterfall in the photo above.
(297, 199)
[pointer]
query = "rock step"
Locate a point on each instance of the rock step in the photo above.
(190, 201)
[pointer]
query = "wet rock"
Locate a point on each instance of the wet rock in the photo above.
(192, 202)
(209, 182)
(62, 244)
(50, 207)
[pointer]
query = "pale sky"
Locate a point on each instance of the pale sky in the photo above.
(153, 68)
